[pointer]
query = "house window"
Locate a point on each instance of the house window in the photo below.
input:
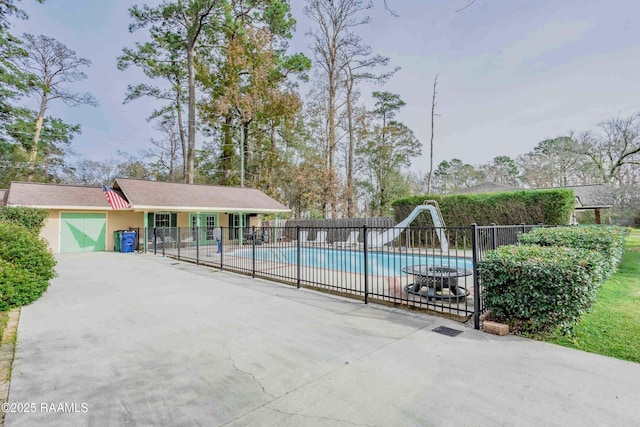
(234, 221)
(162, 220)
(208, 223)
(211, 225)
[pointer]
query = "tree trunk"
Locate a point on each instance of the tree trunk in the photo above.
(227, 149)
(433, 113)
(350, 189)
(33, 152)
(191, 129)
(330, 205)
(183, 142)
(245, 141)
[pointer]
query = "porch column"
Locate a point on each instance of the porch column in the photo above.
(240, 227)
(145, 226)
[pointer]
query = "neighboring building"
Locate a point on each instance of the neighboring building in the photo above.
(81, 220)
(594, 197)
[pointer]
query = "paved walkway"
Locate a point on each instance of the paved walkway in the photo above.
(129, 339)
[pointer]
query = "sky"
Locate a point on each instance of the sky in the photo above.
(511, 73)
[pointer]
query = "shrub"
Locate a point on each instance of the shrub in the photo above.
(540, 288)
(508, 208)
(31, 218)
(27, 265)
(608, 240)
(18, 286)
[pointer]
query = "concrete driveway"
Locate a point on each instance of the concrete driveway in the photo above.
(138, 340)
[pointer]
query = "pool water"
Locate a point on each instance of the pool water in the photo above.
(350, 261)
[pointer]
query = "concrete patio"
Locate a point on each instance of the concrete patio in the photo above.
(132, 339)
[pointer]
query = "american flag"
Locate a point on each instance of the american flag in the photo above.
(114, 199)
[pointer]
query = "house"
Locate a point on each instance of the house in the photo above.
(593, 197)
(81, 220)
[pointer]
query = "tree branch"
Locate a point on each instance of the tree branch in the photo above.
(468, 4)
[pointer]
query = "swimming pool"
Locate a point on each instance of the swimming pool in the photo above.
(350, 261)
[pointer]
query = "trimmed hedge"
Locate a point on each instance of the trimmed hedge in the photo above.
(540, 288)
(508, 208)
(31, 218)
(26, 266)
(608, 240)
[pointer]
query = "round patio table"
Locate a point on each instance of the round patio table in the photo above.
(440, 282)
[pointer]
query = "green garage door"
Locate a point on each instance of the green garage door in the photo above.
(83, 232)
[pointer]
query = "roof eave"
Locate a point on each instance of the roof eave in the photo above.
(593, 207)
(65, 207)
(149, 208)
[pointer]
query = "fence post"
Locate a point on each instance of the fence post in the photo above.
(197, 245)
(155, 241)
(524, 227)
(164, 237)
(494, 235)
(476, 279)
(253, 252)
(298, 256)
(221, 247)
(366, 266)
(178, 242)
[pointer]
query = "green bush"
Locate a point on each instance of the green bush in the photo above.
(18, 286)
(608, 240)
(508, 208)
(8, 276)
(27, 265)
(31, 218)
(540, 288)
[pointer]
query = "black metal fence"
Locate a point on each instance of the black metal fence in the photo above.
(426, 268)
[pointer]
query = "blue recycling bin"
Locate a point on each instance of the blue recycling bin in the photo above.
(128, 243)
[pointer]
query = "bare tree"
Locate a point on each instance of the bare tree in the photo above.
(433, 114)
(91, 172)
(333, 19)
(556, 163)
(358, 65)
(613, 149)
(169, 148)
(55, 67)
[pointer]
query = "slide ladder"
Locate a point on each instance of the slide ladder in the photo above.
(377, 240)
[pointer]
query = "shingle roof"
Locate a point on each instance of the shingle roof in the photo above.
(594, 196)
(150, 195)
(145, 195)
(56, 196)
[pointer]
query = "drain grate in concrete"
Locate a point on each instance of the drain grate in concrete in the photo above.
(447, 331)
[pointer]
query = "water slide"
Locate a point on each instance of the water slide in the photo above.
(377, 240)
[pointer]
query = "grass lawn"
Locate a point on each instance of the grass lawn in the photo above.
(612, 327)
(4, 317)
